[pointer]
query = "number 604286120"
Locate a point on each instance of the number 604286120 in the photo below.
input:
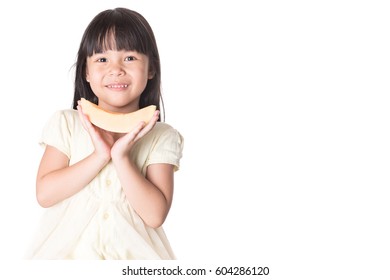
(240, 270)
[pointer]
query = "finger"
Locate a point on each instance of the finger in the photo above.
(132, 135)
(81, 116)
(149, 126)
(152, 122)
(85, 121)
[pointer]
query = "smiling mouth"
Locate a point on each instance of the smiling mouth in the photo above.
(117, 86)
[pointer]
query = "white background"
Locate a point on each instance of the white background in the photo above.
(284, 106)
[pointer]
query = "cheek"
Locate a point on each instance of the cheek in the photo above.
(141, 75)
(92, 75)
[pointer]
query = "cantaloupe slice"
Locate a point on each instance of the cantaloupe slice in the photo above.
(116, 122)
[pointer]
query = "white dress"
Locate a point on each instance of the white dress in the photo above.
(98, 222)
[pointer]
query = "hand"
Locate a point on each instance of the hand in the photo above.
(102, 140)
(123, 145)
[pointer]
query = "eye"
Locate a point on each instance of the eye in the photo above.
(130, 58)
(101, 59)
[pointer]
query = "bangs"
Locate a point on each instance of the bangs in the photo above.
(115, 32)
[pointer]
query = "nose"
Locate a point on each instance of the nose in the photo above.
(116, 69)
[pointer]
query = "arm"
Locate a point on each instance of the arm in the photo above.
(151, 197)
(56, 180)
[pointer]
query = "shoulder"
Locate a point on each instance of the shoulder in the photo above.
(66, 120)
(69, 116)
(163, 144)
(161, 134)
(162, 129)
(65, 114)
(60, 129)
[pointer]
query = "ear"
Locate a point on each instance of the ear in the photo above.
(86, 75)
(151, 74)
(151, 71)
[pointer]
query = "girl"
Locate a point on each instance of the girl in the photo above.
(107, 193)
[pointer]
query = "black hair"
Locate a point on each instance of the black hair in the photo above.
(130, 32)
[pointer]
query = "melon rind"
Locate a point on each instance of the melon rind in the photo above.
(116, 122)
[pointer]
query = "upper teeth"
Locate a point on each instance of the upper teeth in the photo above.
(117, 86)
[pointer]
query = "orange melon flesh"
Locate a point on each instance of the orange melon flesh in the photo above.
(116, 122)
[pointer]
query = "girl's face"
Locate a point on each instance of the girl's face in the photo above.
(118, 79)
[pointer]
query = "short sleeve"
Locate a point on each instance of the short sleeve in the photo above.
(168, 149)
(56, 133)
